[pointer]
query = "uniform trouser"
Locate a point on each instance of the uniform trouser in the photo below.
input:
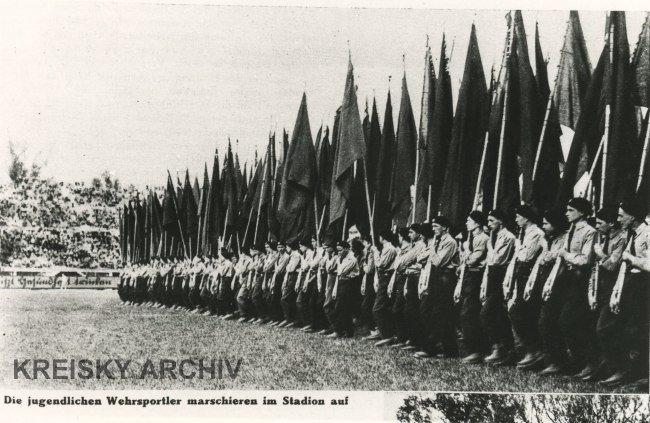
(140, 289)
(268, 295)
(289, 295)
(159, 289)
(257, 297)
(382, 307)
(206, 297)
(524, 315)
(275, 297)
(368, 301)
(225, 296)
(319, 318)
(397, 310)
(121, 291)
(303, 300)
(413, 325)
(329, 305)
(244, 303)
(344, 306)
(170, 297)
(438, 318)
(177, 289)
(564, 320)
(623, 337)
(494, 314)
(474, 337)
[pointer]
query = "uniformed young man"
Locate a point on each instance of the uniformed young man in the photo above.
(623, 326)
(317, 299)
(470, 274)
(289, 295)
(524, 315)
(277, 282)
(368, 293)
(346, 274)
(257, 296)
(396, 287)
(438, 318)
(570, 287)
(329, 265)
(303, 285)
(383, 302)
(494, 314)
(245, 307)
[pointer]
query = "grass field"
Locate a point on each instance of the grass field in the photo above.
(89, 324)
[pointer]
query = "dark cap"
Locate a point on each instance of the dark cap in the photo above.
(442, 221)
(227, 254)
(305, 243)
(404, 232)
(343, 244)
(527, 211)
(556, 218)
(608, 214)
(582, 205)
(479, 217)
(499, 215)
(329, 243)
(272, 244)
(635, 209)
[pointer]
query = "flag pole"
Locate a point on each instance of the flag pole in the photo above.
(644, 155)
(365, 179)
(480, 170)
(259, 205)
(316, 220)
(605, 142)
(345, 223)
(178, 220)
(429, 203)
(503, 119)
(322, 219)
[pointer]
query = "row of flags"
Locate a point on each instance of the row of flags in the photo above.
(502, 147)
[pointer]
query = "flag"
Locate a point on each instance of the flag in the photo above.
(424, 134)
(229, 197)
(189, 220)
(351, 147)
(385, 164)
(202, 210)
(196, 190)
(156, 224)
(610, 86)
(404, 165)
(573, 75)
(324, 168)
(434, 158)
(546, 169)
(212, 224)
(641, 72)
(467, 139)
(373, 146)
(124, 233)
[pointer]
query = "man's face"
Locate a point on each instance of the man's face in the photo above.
(469, 224)
(547, 227)
(413, 236)
(572, 214)
(520, 220)
(602, 226)
(314, 244)
(303, 248)
(339, 249)
(493, 223)
(353, 233)
(268, 249)
(280, 248)
(625, 219)
(438, 229)
(329, 249)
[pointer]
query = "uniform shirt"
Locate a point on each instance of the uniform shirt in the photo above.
(401, 253)
(500, 253)
(387, 257)
(368, 262)
(476, 255)
(227, 269)
(531, 245)
(294, 262)
(348, 267)
(331, 264)
(269, 261)
(445, 253)
(551, 247)
(640, 247)
(408, 263)
(616, 241)
(281, 263)
(306, 261)
(581, 244)
(316, 259)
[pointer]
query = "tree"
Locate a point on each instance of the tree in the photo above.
(17, 168)
(464, 408)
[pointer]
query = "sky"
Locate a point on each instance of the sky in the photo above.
(139, 88)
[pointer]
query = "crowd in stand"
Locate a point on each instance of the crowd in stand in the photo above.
(564, 294)
(47, 223)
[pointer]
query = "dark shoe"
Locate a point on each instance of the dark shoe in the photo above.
(409, 348)
(526, 360)
(334, 335)
(616, 379)
(640, 385)
(282, 324)
(552, 369)
(498, 355)
(290, 325)
(422, 354)
(326, 332)
(587, 371)
(398, 345)
(307, 328)
(475, 358)
(384, 342)
(535, 362)
(372, 337)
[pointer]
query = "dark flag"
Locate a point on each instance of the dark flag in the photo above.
(170, 219)
(124, 232)
(467, 139)
(373, 146)
(424, 135)
(385, 164)
(156, 224)
(432, 171)
(641, 73)
(404, 165)
(196, 190)
(324, 168)
(299, 180)
(189, 218)
(211, 227)
(546, 169)
(202, 210)
(229, 198)
(573, 75)
(251, 201)
(351, 147)
(273, 223)
(610, 86)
